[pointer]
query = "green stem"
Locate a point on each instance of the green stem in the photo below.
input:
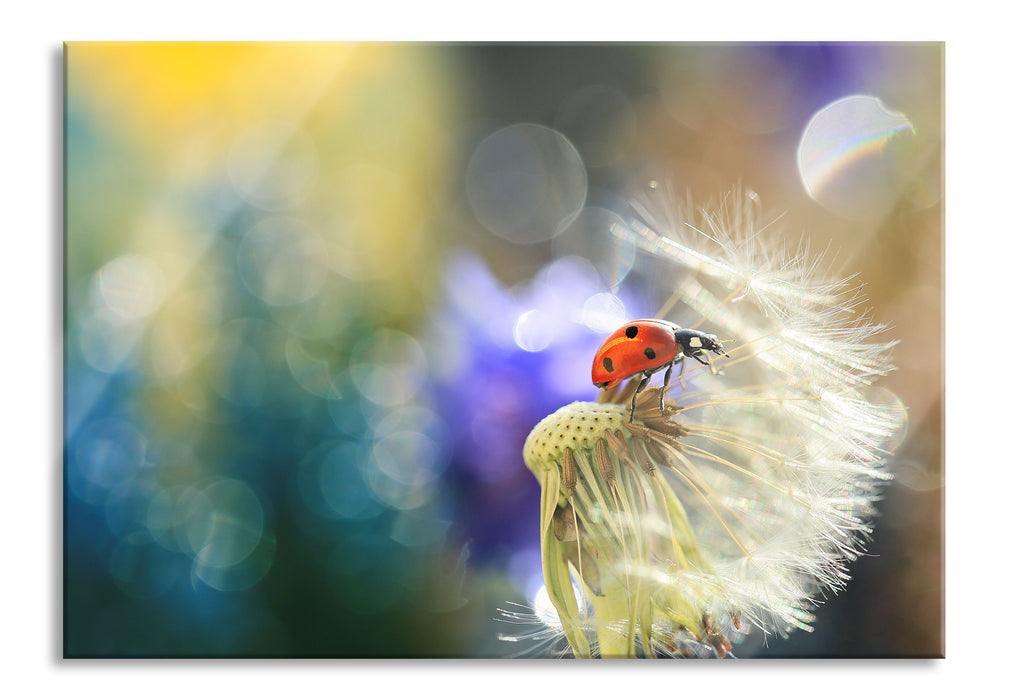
(614, 642)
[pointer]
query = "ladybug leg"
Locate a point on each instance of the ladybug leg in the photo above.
(641, 387)
(665, 386)
(683, 365)
(704, 362)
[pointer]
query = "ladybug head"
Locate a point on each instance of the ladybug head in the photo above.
(692, 342)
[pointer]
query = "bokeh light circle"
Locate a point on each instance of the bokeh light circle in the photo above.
(603, 312)
(853, 158)
(109, 452)
(225, 523)
(166, 517)
(403, 469)
(408, 456)
(888, 402)
(526, 183)
(108, 343)
(282, 261)
(132, 286)
(387, 366)
(241, 576)
(533, 331)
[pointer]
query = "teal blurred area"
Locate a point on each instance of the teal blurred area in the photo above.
(316, 295)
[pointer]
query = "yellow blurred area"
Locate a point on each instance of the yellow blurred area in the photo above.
(168, 91)
(348, 139)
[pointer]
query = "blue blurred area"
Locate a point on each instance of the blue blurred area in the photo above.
(309, 323)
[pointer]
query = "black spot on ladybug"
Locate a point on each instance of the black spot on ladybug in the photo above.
(631, 331)
(608, 364)
(649, 353)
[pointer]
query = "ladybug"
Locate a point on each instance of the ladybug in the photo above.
(646, 346)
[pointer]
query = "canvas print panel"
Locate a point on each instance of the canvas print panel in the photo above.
(421, 350)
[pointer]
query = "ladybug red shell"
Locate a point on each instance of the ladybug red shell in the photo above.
(638, 346)
(644, 347)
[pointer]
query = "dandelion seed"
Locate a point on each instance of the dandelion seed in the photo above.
(734, 501)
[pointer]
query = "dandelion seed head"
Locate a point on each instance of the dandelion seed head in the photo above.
(738, 505)
(577, 426)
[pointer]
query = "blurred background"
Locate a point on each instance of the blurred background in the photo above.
(316, 295)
